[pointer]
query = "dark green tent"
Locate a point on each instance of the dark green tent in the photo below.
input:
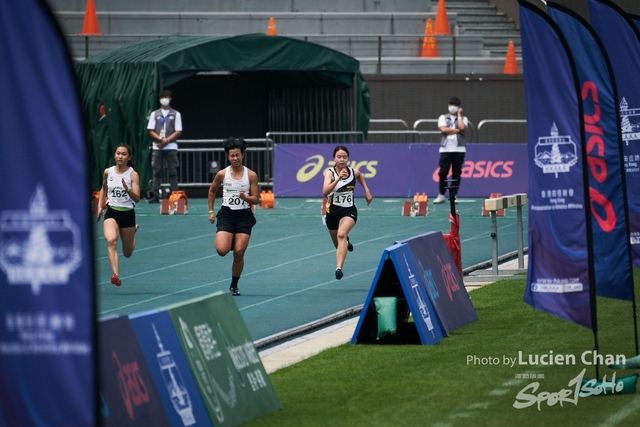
(120, 86)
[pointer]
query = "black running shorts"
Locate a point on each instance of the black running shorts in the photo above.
(124, 219)
(333, 219)
(238, 221)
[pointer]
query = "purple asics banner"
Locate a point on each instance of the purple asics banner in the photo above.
(401, 170)
(47, 302)
(558, 275)
(621, 41)
(611, 247)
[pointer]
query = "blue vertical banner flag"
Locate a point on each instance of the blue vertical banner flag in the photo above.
(609, 225)
(621, 40)
(635, 19)
(47, 303)
(559, 275)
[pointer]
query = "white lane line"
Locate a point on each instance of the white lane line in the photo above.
(319, 285)
(623, 413)
(117, 309)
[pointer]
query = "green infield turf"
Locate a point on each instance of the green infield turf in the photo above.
(471, 378)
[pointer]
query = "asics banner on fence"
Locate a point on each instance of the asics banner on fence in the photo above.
(611, 247)
(558, 278)
(621, 38)
(47, 306)
(401, 170)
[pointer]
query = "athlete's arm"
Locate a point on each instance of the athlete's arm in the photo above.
(253, 197)
(367, 194)
(103, 194)
(213, 189)
(134, 190)
(329, 183)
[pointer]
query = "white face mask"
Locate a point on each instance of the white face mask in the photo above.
(453, 109)
(164, 102)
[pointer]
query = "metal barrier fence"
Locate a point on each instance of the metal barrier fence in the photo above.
(411, 136)
(200, 160)
(518, 127)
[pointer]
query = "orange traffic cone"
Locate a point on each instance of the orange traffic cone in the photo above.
(510, 64)
(442, 22)
(90, 25)
(271, 29)
(429, 48)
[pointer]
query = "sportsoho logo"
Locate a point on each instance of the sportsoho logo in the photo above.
(316, 163)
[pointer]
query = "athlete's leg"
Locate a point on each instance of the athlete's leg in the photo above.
(223, 242)
(128, 237)
(334, 237)
(345, 226)
(240, 246)
(111, 233)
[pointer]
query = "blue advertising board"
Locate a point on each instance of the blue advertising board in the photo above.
(169, 368)
(397, 276)
(129, 394)
(441, 278)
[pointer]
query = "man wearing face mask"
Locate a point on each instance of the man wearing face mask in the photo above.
(165, 126)
(452, 147)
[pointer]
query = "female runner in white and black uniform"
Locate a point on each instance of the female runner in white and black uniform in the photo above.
(121, 188)
(339, 187)
(235, 219)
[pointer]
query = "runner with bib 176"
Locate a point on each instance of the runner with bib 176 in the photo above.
(339, 188)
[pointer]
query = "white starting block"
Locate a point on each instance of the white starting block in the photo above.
(493, 205)
(176, 204)
(415, 209)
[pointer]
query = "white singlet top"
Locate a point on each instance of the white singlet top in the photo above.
(231, 189)
(116, 196)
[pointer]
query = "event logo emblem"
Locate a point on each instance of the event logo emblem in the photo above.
(555, 153)
(202, 348)
(39, 247)
(422, 306)
(174, 383)
(630, 131)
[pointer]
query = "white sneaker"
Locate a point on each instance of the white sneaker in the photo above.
(455, 199)
(439, 199)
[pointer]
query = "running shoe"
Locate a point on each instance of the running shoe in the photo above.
(115, 279)
(235, 292)
(339, 273)
(349, 245)
(439, 199)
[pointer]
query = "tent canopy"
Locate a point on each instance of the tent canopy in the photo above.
(120, 86)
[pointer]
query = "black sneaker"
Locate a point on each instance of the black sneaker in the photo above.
(235, 292)
(339, 273)
(349, 245)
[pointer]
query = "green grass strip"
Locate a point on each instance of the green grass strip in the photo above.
(465, 380)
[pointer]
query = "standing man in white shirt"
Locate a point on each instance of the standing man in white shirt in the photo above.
(165, 127)
(452, 148)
